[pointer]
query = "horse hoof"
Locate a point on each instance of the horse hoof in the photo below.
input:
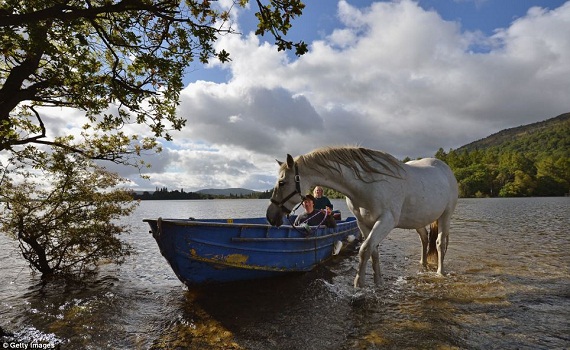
(358, 300)
(358, 282)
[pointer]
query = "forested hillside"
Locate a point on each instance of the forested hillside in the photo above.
(526, 136)
(531, 160)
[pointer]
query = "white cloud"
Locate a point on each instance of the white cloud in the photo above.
(395, 77)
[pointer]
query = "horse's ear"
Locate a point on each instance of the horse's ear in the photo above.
(279, 162)
(290, 161)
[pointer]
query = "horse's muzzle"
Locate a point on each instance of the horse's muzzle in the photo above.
(274, 215)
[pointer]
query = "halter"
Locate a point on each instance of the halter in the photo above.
(281, 204)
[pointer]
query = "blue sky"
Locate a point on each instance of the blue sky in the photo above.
(320, 19)
(404, 77)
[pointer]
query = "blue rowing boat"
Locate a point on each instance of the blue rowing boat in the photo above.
(217, 250)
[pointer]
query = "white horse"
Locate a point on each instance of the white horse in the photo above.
(382, 192)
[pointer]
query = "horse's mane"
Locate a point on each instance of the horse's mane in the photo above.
(362, 161)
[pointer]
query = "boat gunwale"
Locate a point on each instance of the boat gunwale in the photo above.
(190, 222)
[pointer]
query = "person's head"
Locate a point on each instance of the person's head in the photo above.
(318, 192)
(309, 203)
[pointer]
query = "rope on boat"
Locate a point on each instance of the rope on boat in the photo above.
(307, 228)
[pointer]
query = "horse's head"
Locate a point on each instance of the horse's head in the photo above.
(286, 194)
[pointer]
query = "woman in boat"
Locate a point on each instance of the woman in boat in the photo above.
(321, 202)
(315, 217)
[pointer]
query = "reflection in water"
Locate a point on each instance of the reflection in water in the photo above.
(508, 287)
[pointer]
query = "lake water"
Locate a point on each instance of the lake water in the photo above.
(507, 287)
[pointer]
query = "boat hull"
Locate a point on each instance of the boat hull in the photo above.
(216, 251)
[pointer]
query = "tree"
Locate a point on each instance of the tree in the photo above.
(65, 213)
(117, 61)
(523, 185)
(553, 175)
(475, 180)
(441, 155)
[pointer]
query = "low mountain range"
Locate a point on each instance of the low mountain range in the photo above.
(226, 192)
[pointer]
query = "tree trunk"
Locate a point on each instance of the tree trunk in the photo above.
(41, 262)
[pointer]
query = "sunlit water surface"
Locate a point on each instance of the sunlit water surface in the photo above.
(507, 287)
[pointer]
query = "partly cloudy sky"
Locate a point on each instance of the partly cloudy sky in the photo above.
(406, 77)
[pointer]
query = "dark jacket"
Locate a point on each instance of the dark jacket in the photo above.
(322, 203)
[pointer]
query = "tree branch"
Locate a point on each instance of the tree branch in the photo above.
(67, 13)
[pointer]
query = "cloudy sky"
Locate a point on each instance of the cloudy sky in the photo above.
(406, 77)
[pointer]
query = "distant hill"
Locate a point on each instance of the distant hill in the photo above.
(526, 161)
(535, 133)
(226, 192)
(210, 193)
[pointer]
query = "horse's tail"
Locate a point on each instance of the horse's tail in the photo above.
(432, 238)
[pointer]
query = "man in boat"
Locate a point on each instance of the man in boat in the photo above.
(314, 217)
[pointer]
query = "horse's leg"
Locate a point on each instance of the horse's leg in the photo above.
(442, 241)
(364, 230)
(424, 238)
(370, 247)
(432, 256)
(363, 254)
(376, 265)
